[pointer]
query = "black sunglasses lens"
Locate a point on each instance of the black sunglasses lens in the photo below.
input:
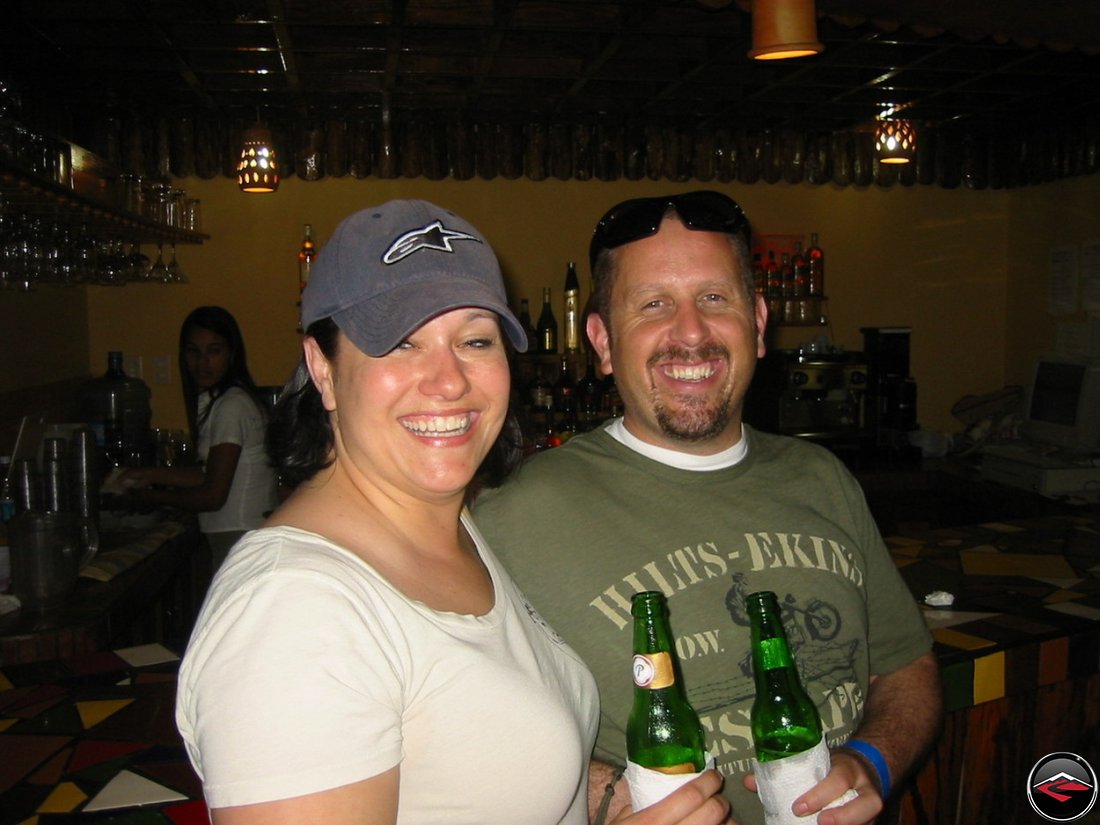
(636, 219)
(630, 221)
(710, 212)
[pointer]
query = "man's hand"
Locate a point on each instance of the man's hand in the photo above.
(901, 718)
(847, 773)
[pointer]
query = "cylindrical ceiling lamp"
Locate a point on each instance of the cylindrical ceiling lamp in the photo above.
(258, 168)
(895, 141)
(784, 28)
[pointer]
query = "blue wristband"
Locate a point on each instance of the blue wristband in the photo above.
(875, 757)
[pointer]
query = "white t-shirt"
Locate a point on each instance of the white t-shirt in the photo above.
(236, 418)
(307, 670)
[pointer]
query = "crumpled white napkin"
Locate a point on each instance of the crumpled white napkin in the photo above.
(648, 786)
(9, 603)
(779, 783)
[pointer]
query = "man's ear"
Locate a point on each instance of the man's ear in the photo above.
(601, 341)
(320, 372)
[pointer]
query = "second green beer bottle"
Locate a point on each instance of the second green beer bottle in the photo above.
(784, 720)
(663, 732)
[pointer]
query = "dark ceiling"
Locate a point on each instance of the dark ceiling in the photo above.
(1021, 75)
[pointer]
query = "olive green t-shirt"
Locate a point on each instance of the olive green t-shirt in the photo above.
(584, 526)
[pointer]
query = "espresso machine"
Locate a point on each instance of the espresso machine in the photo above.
(814, 395)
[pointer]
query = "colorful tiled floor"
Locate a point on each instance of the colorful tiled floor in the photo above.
(93, 740)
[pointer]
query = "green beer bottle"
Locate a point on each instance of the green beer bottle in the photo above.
(663, 732)
(784, 720)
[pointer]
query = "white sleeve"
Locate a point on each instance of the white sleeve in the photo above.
(288, 690)
(234, 414)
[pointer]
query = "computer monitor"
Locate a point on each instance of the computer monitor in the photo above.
(1063, 403)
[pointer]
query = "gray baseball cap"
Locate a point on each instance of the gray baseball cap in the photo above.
(387, 269)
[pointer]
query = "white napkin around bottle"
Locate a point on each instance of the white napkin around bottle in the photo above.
(780, 782)
(648, 786)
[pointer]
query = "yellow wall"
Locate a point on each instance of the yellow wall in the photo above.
(1065, 213)
(43, 338)
(964, 269)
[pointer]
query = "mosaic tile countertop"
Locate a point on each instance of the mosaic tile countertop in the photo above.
(92, 739)
(1026, 609)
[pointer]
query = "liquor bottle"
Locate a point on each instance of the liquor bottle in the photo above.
(589, 394)
(759, 279)
(569, 425)
(786, 275)
(773, 288)
(305, 257)
(548, 325)
(565, 402)
(565, 388)
(815, 259)
(663, 732)
(572, 309)
(548, 436)
(525, 322)
(306, 254)
(772, 276)
(542, 394)
(611, 403)
(784, 721)
(801, 271)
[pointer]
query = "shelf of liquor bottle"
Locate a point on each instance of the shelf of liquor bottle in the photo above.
(559, 395)
(794, 336)
(93, 202)
(797, 311)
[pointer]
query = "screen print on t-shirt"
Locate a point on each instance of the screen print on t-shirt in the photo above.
(819, 584)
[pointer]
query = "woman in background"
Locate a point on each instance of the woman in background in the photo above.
(233, 486)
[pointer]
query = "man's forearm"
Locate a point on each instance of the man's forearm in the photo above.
(903, 714)
(600, 776)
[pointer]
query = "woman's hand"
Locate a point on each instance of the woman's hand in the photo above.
(131, 478)
(699, 802)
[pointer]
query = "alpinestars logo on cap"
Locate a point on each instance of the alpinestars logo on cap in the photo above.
(1062, 787)
(433, 236)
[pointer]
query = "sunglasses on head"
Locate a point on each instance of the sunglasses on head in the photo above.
(632, 220)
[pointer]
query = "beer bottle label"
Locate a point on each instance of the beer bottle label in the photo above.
(775, 654)
(653, 670)
(676, 770)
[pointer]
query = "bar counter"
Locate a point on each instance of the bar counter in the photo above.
(1019, 648)
(1020, 655)
(144, 585)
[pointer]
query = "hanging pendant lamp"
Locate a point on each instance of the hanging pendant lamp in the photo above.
(784, 28)
(895, 141)
(258, 167)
